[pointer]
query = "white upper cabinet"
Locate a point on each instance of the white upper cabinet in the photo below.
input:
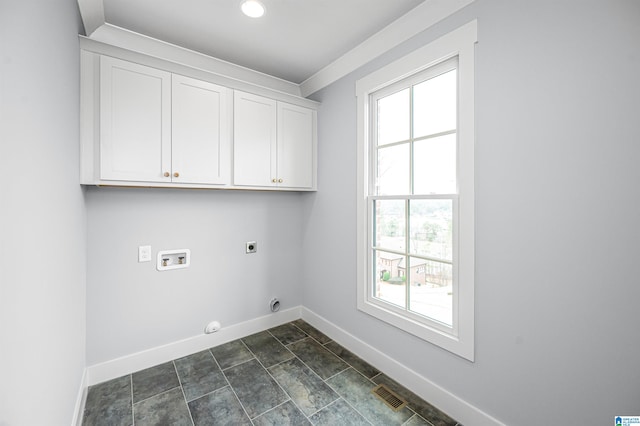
(146, 122)
(200, 138)
(161, 127)
(254, 140)
(135, 122)
(273, 143)
(295, 159)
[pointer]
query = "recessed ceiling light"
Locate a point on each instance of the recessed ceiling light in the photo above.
(252, 8)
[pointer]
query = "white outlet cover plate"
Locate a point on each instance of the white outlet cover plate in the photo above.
(144, 254)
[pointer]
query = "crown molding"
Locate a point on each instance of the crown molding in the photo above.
(136, 42)
(92, 13)
(413, 22)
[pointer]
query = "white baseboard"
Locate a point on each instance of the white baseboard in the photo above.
(81, 400)
(421, 386)
(457, 408)
(148, 358)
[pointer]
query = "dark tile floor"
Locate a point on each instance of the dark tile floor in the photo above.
(288, 375)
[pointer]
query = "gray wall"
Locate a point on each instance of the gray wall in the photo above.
(557, 210)
(42, 214)
(132, 307)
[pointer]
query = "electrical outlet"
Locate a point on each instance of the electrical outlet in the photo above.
(144, 254)
(252, 247)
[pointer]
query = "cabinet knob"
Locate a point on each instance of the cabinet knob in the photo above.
(176, 174)
(273, 180)
(279, 180)
(167, 174)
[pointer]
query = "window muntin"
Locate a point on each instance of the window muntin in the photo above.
(412, 232)
(438, 253)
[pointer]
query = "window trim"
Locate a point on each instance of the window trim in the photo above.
(460, 43)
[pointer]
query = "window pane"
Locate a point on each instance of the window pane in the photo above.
(434, 166)
(393, 118)
(431, 228)
(434, 105)
(431, 290)
(390, 278)
(393, 170)
(390, 224)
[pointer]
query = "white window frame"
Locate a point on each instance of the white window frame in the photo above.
(459, 43)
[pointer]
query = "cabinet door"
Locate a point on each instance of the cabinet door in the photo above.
(254, 140)
(295, 146)
(200, 132)
(135, 122)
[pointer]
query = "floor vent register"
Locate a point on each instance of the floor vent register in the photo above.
(389, 397)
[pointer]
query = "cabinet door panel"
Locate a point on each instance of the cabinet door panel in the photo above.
(200, 132)
(254, 140)
(135, 108)
(295, 146)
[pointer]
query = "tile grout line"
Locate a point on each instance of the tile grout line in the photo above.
(237, 365)
(344, 399)
(220, 368)
(331, 403)
(238, 399)
(429, 423)
(408, 407)
(332, 353)
(349, 365)
(327, 349)
(273, 378)
(209, 393)
(309, 335)
(331, 387)
(157, 394)
(365, 377)
(414, 415)
(374, 384)
(321, 380)
(314, 372)
(316, 375)
(356, 356)
(280, 405)
(175, 368)
(294, 403)
(295, 341)
(229, 383)
(325, 381)
(341, 371)
(294, 356)
(133, 417)
(308, 417)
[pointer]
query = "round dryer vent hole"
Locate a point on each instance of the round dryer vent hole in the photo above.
(274, 305)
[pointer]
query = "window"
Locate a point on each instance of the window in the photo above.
(415, 192)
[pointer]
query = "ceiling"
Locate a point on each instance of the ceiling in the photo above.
(293, 41)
